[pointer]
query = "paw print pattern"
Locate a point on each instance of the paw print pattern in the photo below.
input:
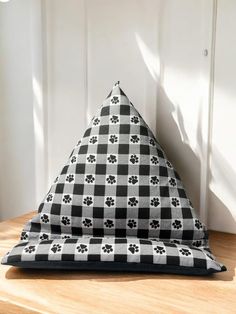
(96, 121)
(79, 142)
(134, 120)
(65, 220)
(30, 249)
(107, 248)
(155, 202)
(87, 222)
(175, 241)
(112, 159)
(113, 139)
(175, 201)
(110, 201)
(197, 243)
(134, 139)
(109, 223)
(73, 159)
(132, 223)
(115, 100)
(198, 224)
(89, 178)
(154, 180)
(134, 159)
(66, 236)
(133, 179)
(172, 182)
(56, 248)
(177, 224)
(91, 159)
(185, 252)
(154, 160)
(159, 249)
(24, 235)
(56, 180)
(152, 142)
(67, 199)
(45, 218)
(132, 201)
(93, 140)
(49, 197)
(133, 248)
(88, 200)
(114, 119)
(44, 237)
(70, 178)
(168, 164)
(155, 224)
(111, 179)
(82, 248)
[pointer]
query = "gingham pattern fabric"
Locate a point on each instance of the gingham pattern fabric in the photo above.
(117, 200)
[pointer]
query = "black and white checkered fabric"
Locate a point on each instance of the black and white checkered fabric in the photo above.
(118, 203)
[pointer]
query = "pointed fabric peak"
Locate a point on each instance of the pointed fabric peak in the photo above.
(117, 200)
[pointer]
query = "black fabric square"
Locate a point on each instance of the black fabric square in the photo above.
(87, 132)
(123, 149)
(124, 129)
(56, 209)
(99, 190)
(64, 170)
(59, 188)
(83, 149)
(125, 110)
(143, 130)
(78, 189)
(80, 168)
(121, 190)
(100, 169)
(105, 111)
(122, 169)
(144, 150)
(164, 191)
(163, 171)
(102, 148)
(144, 190)
(104, 129)
(144, 170)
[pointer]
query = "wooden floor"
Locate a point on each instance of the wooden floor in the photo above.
(38, 291)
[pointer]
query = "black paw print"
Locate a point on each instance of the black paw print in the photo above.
(152, 142)
(115, 99)
(134, 139)
(197, 243)
(133, 179)
(56, 180)
(175, 241)
(154, 160)
(155, 224)
(56, 248)
(177, 224)
(175, 201)
(185, 252)
(79, 142)
(132, 223)
(198, 224)
(91, 158)
(155, 202)
(66, 237)
(107, 248)
(96, 121)
(132, 201)
(134, 120)
(172, 182)
(113, 139)
(30, 249)
(109, 223)
(65, 220)
(73, 159)
(45, 218)
(89, 178)
(82, 248)
(168, 164)
(111, 179)
(87, 222)
(154, 180)
(44, 236)
(114, 119)
(159, 249)
(134, 159)
(93, 140)
(24, 235)
(70, 178)
(67, 199)
(88, 200)
(109, 201)
(133, 248)
(49, 197)
(112, 159)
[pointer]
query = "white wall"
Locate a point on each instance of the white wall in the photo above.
(17, 179)
(155, 48)
(222, 188)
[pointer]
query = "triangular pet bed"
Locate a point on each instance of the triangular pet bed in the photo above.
(118, 204)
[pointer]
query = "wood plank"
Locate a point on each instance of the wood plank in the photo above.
(101, 292)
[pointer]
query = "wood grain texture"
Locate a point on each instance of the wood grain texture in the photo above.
(42, 291)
